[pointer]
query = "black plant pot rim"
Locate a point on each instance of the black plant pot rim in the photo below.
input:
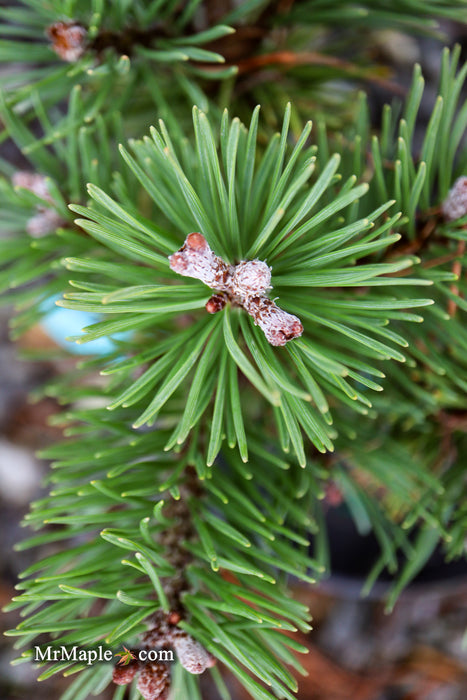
(352, 556)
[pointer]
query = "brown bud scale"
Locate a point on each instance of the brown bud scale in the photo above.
(122, 675)
(173, 618)
(216, 303)
(195, 241)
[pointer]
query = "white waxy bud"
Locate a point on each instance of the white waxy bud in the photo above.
(154, 681)
(250, 278)
(68, 40)
(278, 326)
(191, 654)
(455, 205)
(196, 259)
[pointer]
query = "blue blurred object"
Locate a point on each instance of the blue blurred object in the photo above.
(60, 323)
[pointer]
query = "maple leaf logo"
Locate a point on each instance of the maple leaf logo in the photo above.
(127, 657)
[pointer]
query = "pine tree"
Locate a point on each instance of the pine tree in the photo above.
(284, 303)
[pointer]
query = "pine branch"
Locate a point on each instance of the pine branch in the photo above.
(105, 470)
(274, 225)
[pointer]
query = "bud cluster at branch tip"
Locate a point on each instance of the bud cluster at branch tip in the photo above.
(154, 677)
(244, 284)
